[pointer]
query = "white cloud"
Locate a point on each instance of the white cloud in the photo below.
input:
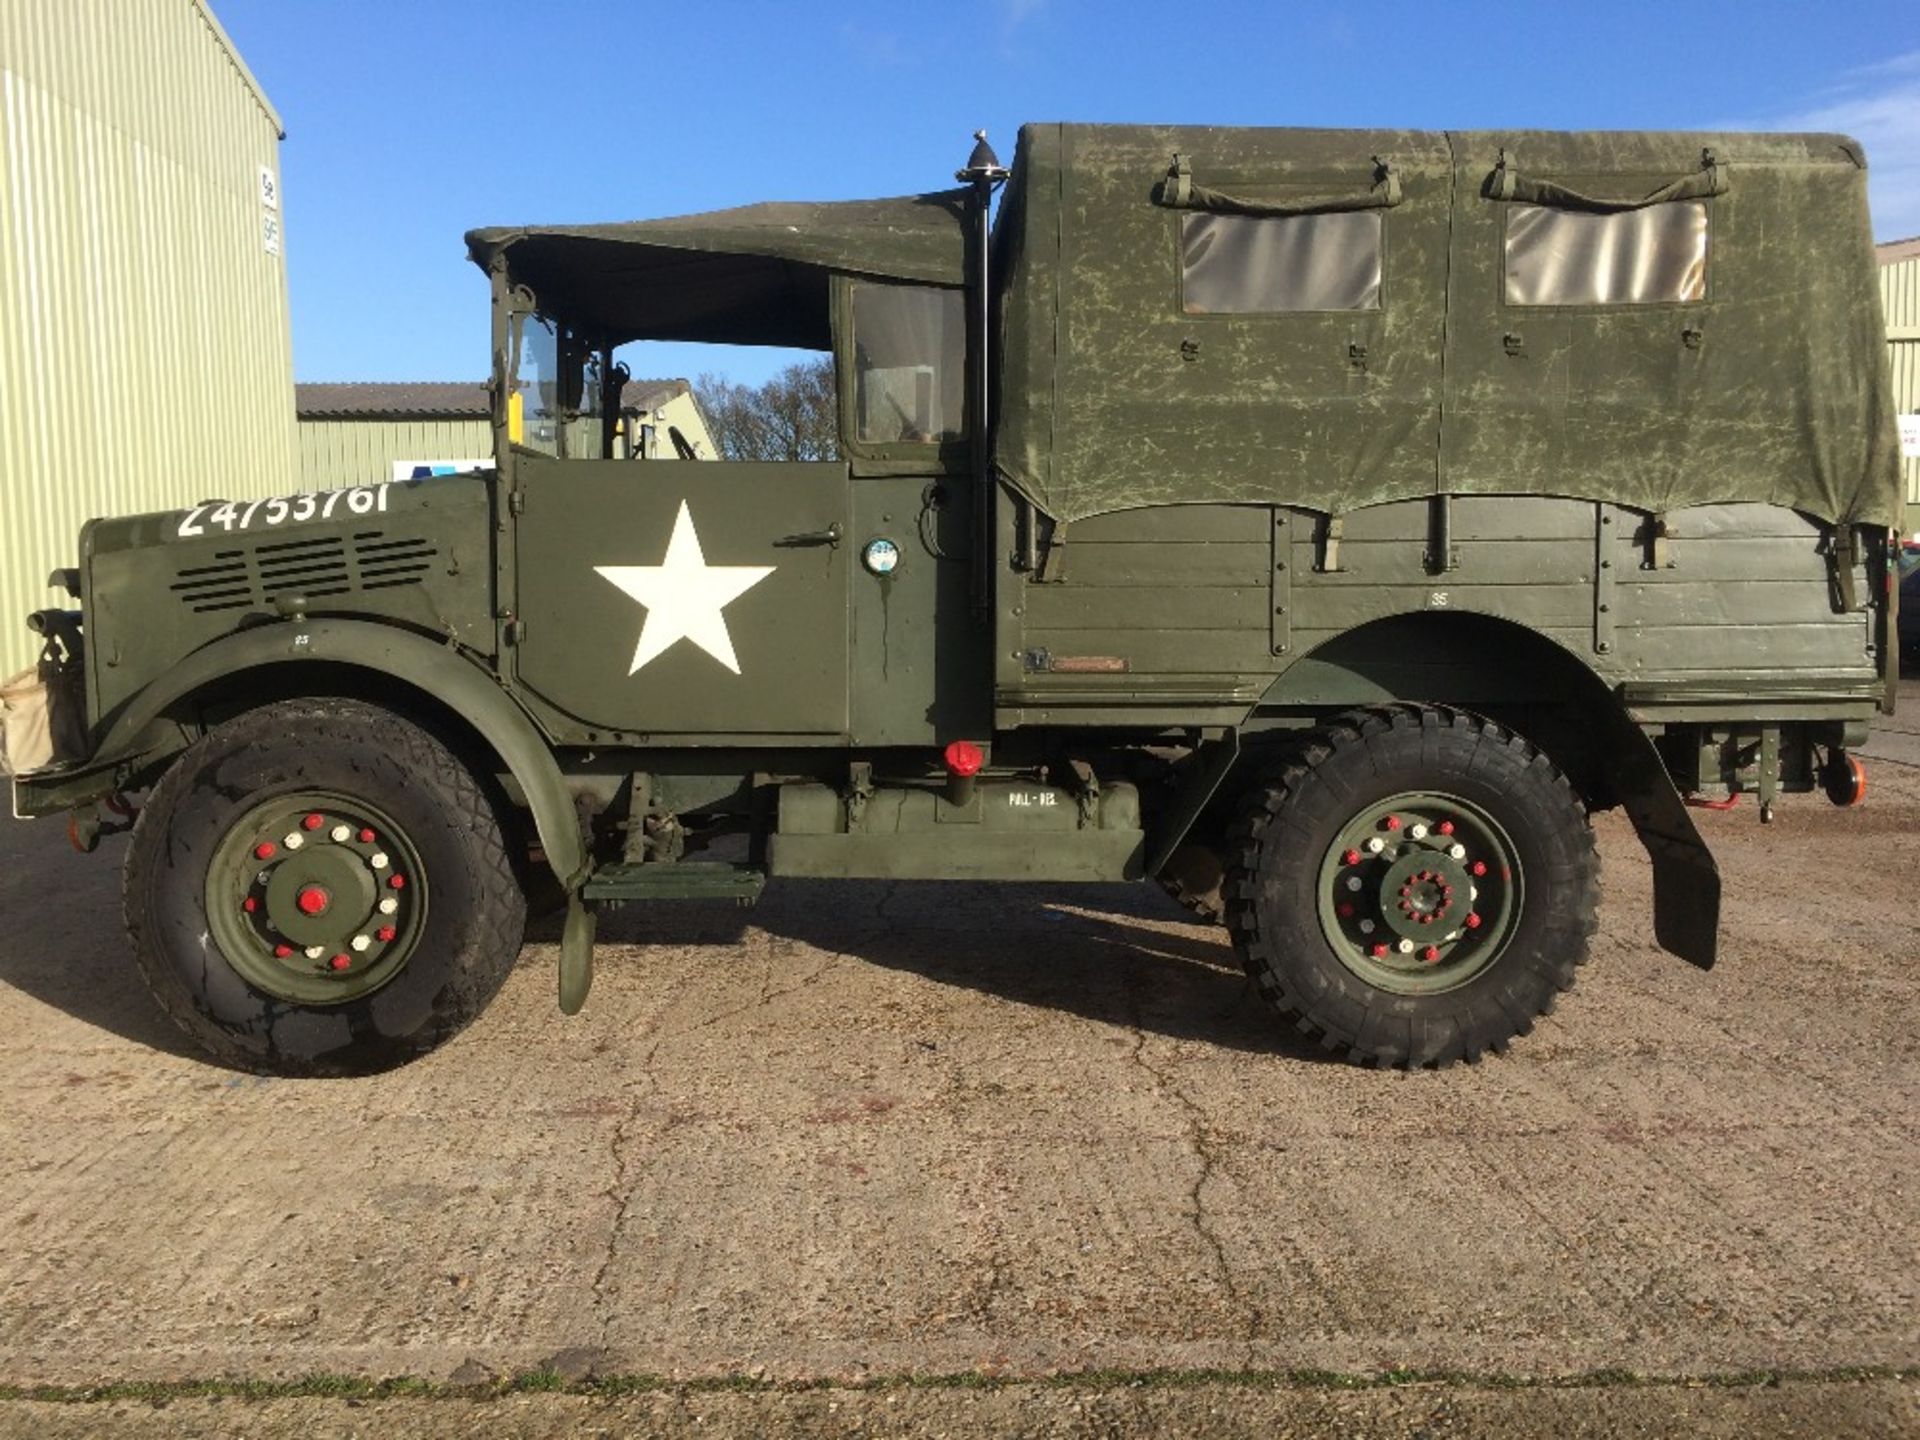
(1878, 105)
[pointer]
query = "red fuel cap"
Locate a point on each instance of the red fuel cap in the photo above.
(964, 758)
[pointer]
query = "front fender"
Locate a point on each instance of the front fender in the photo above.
(400, 655)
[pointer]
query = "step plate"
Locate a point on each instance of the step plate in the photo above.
(676, 881)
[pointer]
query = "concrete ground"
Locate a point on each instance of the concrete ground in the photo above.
(871, 1131)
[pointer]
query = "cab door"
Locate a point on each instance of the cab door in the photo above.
(687, 601)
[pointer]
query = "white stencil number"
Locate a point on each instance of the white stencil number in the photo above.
(266, 514)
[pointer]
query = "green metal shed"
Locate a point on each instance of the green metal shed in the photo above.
(1900, 298)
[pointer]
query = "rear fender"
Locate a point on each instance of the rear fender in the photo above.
(1504, 671)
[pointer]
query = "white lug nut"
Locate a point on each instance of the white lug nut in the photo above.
(1418, 832)
(1458, 852)
(294, 840)
(1353, 882)
(1366, 927)
(1473, 892)
(360, 942)
(389, 905)
(1406, 947)
(341, 834)
(314, 952)
(1376, 845)
(379, 860)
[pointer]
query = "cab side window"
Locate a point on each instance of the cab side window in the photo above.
(1268, 265)
(1654, 255)
(909, 352)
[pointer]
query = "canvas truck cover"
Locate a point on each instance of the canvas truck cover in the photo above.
(755, 275)
(1655, 320)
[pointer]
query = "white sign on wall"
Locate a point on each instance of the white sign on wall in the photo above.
(1910, 436)
(269, 188)
(269, 232)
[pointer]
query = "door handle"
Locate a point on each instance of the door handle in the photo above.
(832, 535)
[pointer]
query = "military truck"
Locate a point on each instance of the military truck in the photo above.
(1321, 523)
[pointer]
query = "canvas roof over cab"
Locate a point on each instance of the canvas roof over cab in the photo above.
(756, 275)
(1471, 346)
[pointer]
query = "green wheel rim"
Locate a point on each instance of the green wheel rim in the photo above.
(316, 898)
(1419, 892)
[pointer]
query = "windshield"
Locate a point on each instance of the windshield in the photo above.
(533, 404)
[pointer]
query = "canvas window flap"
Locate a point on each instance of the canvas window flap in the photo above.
(1179, 191)
(1506, 183)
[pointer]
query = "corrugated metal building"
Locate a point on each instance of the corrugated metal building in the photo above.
(358, 434)
(145, 359)
(1900, 298)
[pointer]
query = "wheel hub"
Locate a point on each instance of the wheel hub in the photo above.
(316, 898)
(1418, 892)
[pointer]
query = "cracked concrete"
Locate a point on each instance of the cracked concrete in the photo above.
(872, 1129)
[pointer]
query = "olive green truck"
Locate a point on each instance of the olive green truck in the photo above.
(1321, 523)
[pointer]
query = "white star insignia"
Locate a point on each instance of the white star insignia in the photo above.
(684, 596)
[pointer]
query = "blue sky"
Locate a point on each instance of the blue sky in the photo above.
(410, 121)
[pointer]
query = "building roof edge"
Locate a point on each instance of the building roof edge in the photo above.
(239, 63)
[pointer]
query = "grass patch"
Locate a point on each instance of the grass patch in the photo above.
(549, 1382)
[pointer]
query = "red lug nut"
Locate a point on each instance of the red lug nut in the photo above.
(397, 882)
(340, 962)
(366, 837)
(312, 900)
(1352, 857)
(1379, 951)
(385, 933)
(1344, 910)
(314, 822)
(1393, 822)
(1430, 954)
(249, 904)
(1479, 867)
(1473, 922)
(264, 850)
(1445, 827)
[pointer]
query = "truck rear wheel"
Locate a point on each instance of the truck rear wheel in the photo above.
(319, 887)
(1413, 886)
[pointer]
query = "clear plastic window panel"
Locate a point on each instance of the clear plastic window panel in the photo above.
(1651, 256)
(1264, 265)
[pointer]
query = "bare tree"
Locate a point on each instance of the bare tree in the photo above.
(791, 417)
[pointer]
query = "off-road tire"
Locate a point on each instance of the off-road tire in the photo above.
(1298, 810)
(469, 933)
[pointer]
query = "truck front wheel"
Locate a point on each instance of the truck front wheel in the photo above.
(1413, 886)
(319, 887)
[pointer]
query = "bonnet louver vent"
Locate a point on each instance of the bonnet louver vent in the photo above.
(386, 563)
(221, 584)
(303, 567)
(314, 568)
